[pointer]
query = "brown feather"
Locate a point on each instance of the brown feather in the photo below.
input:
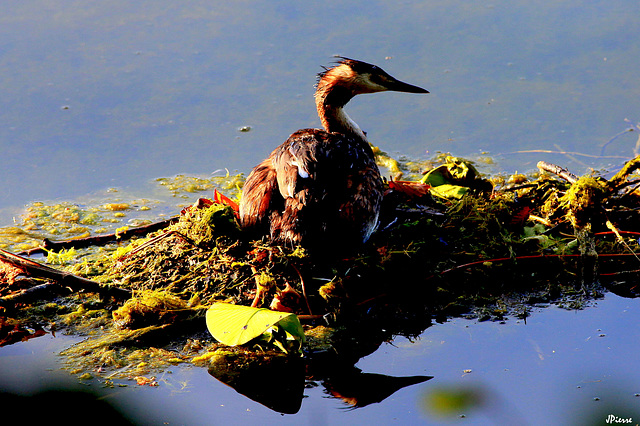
(257, 194)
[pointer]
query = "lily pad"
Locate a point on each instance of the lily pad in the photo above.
(236, 325)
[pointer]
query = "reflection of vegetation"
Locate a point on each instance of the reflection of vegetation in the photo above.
(462, 400)
(453, 401)
(480, 247)
(42, 404)
(272, 379)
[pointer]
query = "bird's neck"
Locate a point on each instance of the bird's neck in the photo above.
(330, 102)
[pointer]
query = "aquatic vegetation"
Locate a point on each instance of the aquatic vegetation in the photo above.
(451, 242)
(182, 185)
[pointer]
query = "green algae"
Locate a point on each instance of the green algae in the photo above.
(100, 215)
(183, 185)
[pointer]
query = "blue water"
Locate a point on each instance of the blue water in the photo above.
(97, 95)
(561, 367)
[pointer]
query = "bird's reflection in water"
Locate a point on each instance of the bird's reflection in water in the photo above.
(360, 389)
(278, 382)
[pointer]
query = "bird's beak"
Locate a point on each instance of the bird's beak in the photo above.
(400, 86)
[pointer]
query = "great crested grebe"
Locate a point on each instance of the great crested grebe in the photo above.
(322, 188)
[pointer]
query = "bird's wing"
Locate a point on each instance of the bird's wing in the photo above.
(258, 192)
(298, 159)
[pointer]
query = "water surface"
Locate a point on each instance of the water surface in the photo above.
(561, 367)
(102, 94)
(96, 94)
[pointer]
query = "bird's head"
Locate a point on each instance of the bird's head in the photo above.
(360, 77)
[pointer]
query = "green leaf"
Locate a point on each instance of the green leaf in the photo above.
(454, 171)
(449, 191)
(452, 179)
(438, 176)
(236, 325)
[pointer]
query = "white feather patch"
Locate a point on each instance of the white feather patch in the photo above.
(301, 171)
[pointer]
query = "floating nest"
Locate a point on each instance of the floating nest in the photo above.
(451, 242)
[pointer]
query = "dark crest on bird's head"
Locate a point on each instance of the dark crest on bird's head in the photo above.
(354, 64)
